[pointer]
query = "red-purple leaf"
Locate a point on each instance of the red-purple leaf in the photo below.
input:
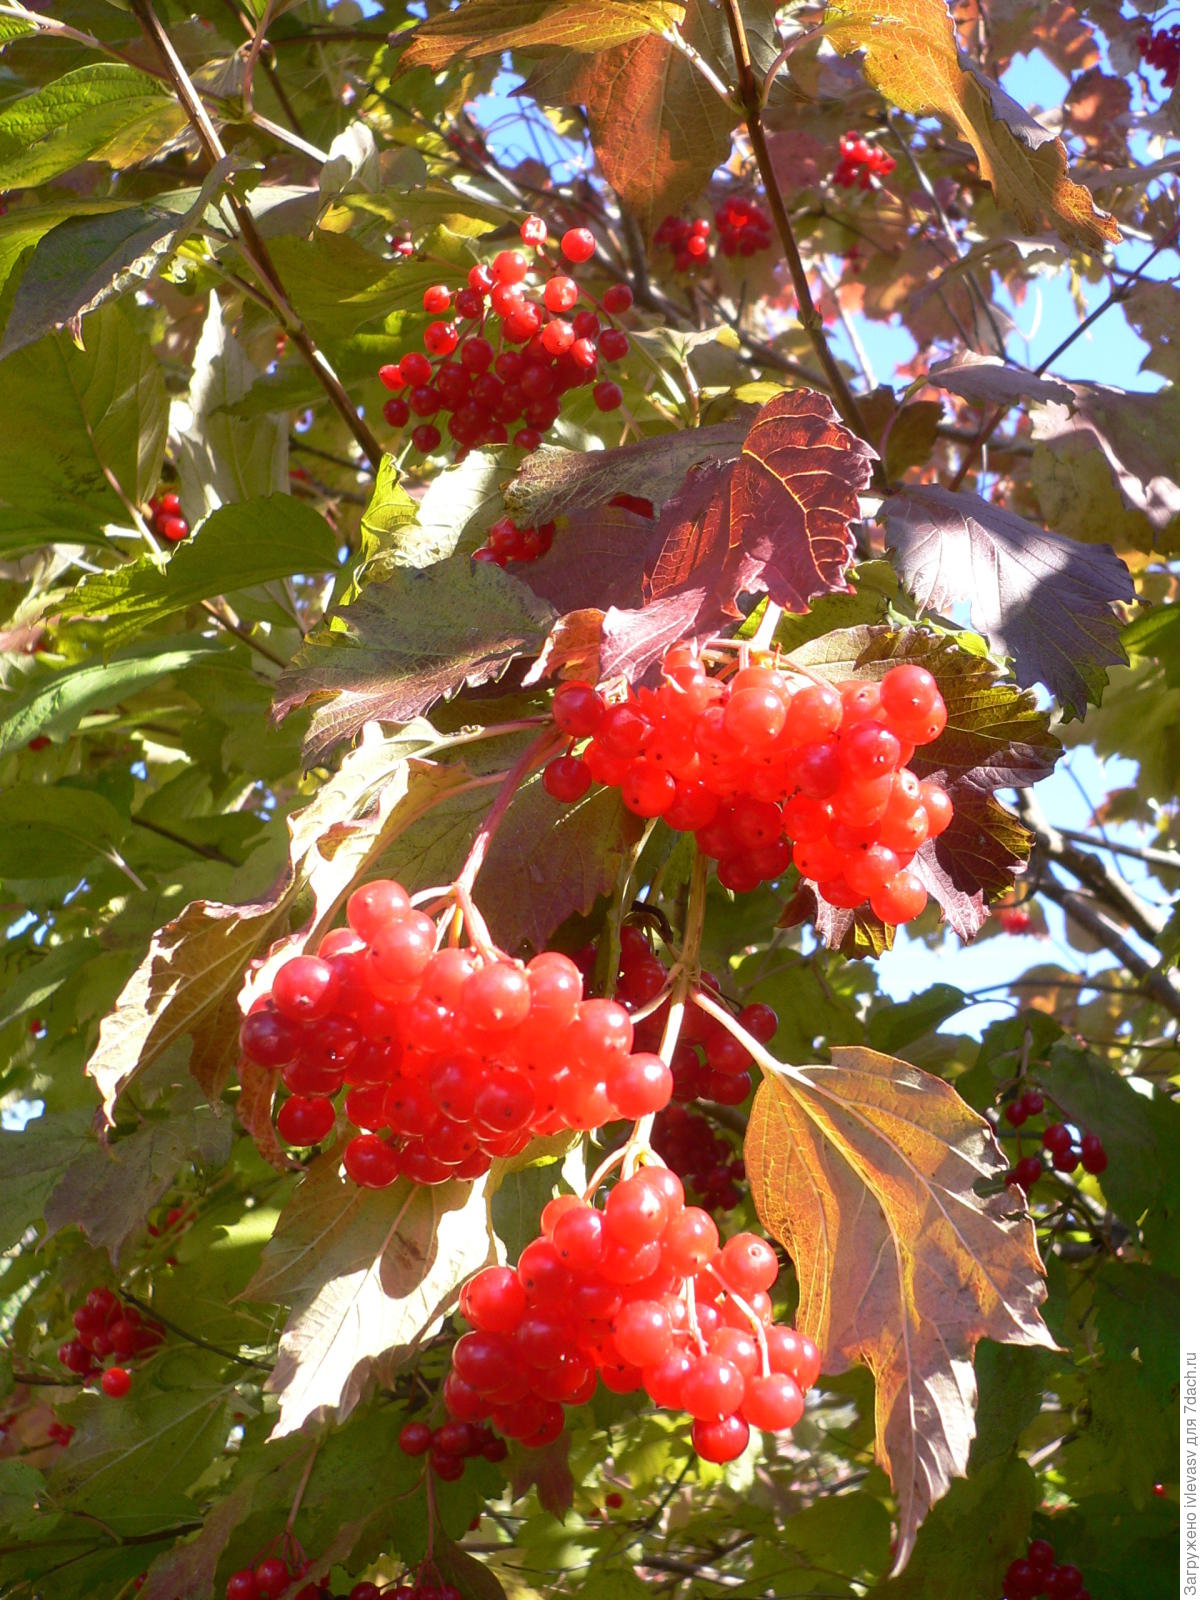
(1045, 601)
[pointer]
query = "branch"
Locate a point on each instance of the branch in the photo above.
(1106, 884)
(810, 317)
(1154, 858)
(211, 144)
(1155, 982)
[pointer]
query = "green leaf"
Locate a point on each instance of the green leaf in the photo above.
(369, 1275)
(971, 1536)
(103, 112)
(336, 284)
(55, 832)
(237, 547)
(221, 457)
(80, 263)
(406, 643)
(56, 705)
(111, 1188)
(30, 1164)
(130, 1464)
(78, 413)
(893, 1025)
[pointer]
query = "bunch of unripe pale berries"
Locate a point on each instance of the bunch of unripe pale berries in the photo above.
(1037, 1573)
(1058, 1143)
(451, 1057)
(861, 165)
(107, 1326)
(772, 767)
(638, 1295)
(503, 349)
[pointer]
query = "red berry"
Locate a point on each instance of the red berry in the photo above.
(612, 344)
(426, 437)
(1057, 1138)
(578, 245)
(606, 396)
(115, 1382)
(722, 1440)
(1092, 1154)
(617, 299)
(241, 1585)
(510, 266)
(415, 368)
(370, 1162)
(272, 1577)
(436, 299)
(566, 779)
(441, 338)
(395, 411)
(533, 231)
(560, 293)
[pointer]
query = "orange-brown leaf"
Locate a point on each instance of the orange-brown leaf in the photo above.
(866, 1171)
(911, 56)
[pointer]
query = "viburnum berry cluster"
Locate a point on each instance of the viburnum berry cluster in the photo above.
(165, 517)
(451, 1446)
(503, 349)
(272, 1576)
(743, 226)
(686, 239)
(451, 1057)
(1013, 919)
(771, 767)
(107, 1326)
(1160, 50)
(506, 542)
(1037, 1573)
(861, 165)
(1066, 1152)
(703, 1158)
(708, 1063)
(640, 1295)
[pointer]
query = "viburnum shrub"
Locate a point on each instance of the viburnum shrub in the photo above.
(771, 766)
(504, 346)
(557, 601)
(640, 1295)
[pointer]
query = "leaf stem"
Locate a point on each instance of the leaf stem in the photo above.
(810, 317)
(533, 758)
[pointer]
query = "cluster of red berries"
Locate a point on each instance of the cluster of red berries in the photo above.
(450, 1446)
(769, 768)
(165, 518)
(642, 1295)
(506, 542)
(704, 1159)
(709, 1063)
(1013, 919)
(551, 346)
(744, 227)
(860, 164)
(272, 1576)
(1160, 50)
(1058, 1141)
(106, 1326)
(451, 1059)
(686, 239)
(1036, 1573)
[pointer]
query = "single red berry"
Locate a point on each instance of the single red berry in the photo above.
(241, 1585)
(606, 396)
(533, 231)
(618, 298)
(436, 299)
(395, 411)
(115, 1382)
(560, 293)
(1057, 1138)
(1092, 1155)
(612, 344)
(510, 266)
(415, 368)
(566, 779)
(272, 1577)
(426, 437)
(391, 377)
(441, 338)
(578, 245)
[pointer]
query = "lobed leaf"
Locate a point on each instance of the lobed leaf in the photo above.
(368, 1275)
(488, 27)
(911, 56)
(866, 1170)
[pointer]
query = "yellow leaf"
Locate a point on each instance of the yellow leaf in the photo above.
(486, 27)
(911, 56)
(865, 1170)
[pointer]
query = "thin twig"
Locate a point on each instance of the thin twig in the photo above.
(208, 851)
(207, 134)
(810, 317)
